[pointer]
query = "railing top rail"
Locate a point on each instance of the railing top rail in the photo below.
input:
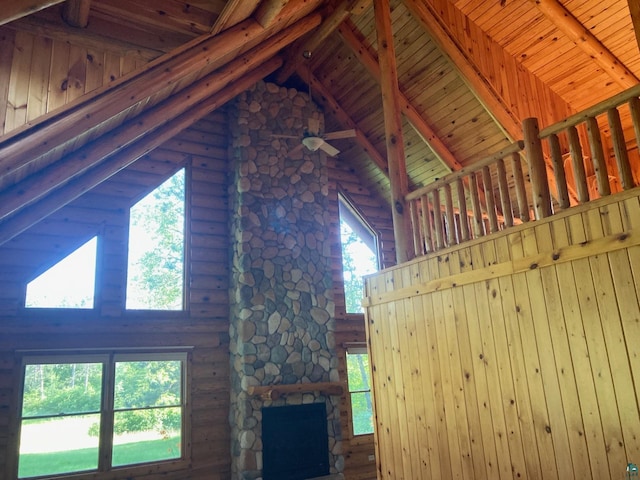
(594, 111)
(513, 148)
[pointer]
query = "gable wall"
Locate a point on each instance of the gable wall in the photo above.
(104, 211)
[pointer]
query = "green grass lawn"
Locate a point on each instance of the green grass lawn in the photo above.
(36, 464)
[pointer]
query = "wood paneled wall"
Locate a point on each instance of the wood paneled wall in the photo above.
(516, 356)
(38, 74)
(204, 326)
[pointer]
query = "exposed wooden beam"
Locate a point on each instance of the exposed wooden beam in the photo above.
(234, 12)
(347, 31)
(328, 101)
(21, 147)
(557, 14)
(35, 186)
(15, 9)
(393, 130)
(326, 28)
(113, 163)
(269, 11)
(424, 13)
(634, 8)
(76, 12)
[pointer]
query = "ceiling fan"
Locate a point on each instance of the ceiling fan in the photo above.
(313, 140)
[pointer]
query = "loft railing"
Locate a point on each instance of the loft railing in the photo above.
(570, 158)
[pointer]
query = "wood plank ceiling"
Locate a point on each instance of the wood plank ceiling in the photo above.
(469, 71)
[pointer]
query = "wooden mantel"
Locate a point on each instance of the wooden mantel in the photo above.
(273, 392)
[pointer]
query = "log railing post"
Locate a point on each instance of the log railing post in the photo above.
(437, 220)
(478, 224)
(558, 171)
(521, 192)
(505, 199)
(620, 149)
(537, 168)
(577, 163)
(464, 217)
(426, 223)
(597, 154)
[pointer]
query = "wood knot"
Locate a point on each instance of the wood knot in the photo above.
(533, 266)
(555, 256)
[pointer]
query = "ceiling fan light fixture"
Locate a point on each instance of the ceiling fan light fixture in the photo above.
(312, 143)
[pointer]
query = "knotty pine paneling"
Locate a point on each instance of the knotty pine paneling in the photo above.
(38, 74)
(204, 326)
(515, 356)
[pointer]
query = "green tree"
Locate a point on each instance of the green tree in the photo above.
(156, 248)
(357, 260)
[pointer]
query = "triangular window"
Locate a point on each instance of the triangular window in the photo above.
(155, 274)
(70, 283)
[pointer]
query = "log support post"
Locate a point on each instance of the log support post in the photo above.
(393, 131)
(537, 168)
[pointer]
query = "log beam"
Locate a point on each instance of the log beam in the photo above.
(25, 145)
(393, 130)
(330, 104)
(234, 12)
(559, 16)
(15, 9)
(347, 31)
(269, 11)
(119, 159)
(76, 12)
(469, 72)
(326, 28)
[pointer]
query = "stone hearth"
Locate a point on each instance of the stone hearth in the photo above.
(282, 313)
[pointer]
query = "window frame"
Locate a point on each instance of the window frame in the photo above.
(109, 358)
(359, 349)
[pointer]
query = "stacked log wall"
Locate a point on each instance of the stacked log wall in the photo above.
(203, 326)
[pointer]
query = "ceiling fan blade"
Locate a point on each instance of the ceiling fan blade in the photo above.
(329, 149)
(284, 136)
(340, 134)
(314, 126)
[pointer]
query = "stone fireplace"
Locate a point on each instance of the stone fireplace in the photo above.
(282, 310)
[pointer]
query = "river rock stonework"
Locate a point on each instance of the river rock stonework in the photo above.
(282, 309)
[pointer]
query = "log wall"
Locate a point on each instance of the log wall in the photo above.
(515, 356)
(203, 326)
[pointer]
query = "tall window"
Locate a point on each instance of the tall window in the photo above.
(97, 412)
(155, 278)
(359, 254)
(70, 283)
(360, 390)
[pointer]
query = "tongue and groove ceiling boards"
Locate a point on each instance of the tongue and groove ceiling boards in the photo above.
(469, 71)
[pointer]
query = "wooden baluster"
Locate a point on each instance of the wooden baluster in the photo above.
(426, 222)
(489, 199)
(478, 224)
(437, 220)
(416, 228)
(505, 199)
(578, 165)
(537, 168)
(597, 157)
(451, 222)
(634, 107)
(620, 149)
(464, 217)
(521, 191)
(558, 171)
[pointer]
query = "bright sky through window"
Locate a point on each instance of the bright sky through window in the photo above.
(70, 283)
